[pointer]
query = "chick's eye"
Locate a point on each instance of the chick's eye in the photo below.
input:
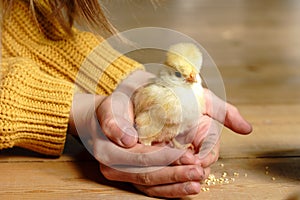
(178, 74)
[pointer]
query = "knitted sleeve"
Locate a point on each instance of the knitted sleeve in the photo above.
(36, 90)
(83, 58)
(34, 107)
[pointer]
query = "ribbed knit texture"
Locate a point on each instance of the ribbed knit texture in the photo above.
(34, 107)
(38, 76)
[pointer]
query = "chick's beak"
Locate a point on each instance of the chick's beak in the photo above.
(191, 78)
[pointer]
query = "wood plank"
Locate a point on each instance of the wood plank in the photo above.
(67, 178)
(59, 180)
(255, 44)
(234, 33)
(269, 84)
(76, 175)
(256, 184)
(74, 151)
(254, 83)
(82, 180)
(275, 133)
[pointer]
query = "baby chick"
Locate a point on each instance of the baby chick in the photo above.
(172, 103)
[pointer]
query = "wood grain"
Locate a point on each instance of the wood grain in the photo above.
(81, 180)
(275, 133)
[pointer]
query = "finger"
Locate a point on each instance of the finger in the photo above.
(165, 175)
(204, 136)
(139, 155)
(212, 157)
(207, 172)
(172, 190)
(235, 121)
(188, 158)
(225, 113)
(201, 131)
(82, 114)
(134, 81)
(115, 116)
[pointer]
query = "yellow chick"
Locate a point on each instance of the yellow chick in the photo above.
(173, 102)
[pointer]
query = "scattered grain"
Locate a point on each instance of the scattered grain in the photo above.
(226, 180)
(266, 172)
(205, 189)
(223, 178)
(211, 177)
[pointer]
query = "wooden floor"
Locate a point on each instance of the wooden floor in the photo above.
(256, 46)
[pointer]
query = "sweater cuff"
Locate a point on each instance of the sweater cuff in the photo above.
(34, 109)
(104, 68)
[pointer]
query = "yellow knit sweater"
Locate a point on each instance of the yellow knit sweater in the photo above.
(38, 76)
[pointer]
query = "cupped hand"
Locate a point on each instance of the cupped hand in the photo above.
(105, 124)
(102, 123)
(205, 136)
(159, 171)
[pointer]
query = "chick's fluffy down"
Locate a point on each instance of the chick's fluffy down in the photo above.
(163, 111)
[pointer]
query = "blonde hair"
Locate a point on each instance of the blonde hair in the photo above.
(87, 13)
